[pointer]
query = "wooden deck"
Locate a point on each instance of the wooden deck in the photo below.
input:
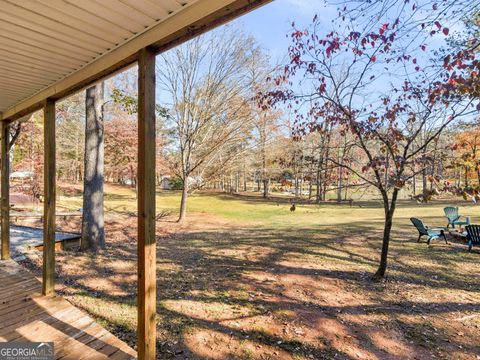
(26, 315)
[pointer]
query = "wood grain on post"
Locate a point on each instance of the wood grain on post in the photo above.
(5, 190)
(48, 282)
(146, 206)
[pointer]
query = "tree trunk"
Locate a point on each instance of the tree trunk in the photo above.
(478, 174)
(93, 232)
(325, 172)
(345, 196)
(385, 243)
(319, 187)
(387, 229)
(319, 179)
(340, 186)
(432, 173)
(237, 182)
(265, 187)
(414, 182)
(424, 181)
(183, 203)
(297, 184)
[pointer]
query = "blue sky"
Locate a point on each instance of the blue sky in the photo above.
(270, 23)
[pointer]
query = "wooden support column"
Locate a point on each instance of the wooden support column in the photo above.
(49, 198)
(146, 206)
(5, 190)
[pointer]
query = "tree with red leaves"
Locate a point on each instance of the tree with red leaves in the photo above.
(369, 79)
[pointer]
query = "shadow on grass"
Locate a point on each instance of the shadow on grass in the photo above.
(316, 279)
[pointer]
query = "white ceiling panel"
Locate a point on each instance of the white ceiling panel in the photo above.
(43, 41)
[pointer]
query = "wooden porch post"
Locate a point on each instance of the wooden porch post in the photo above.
(49, 200)
(146, 206)
(5, 190)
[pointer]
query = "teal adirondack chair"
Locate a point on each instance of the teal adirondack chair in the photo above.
(431, 233)
(473, 235)
(451, 213)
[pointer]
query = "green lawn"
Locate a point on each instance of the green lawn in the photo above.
(276, 212)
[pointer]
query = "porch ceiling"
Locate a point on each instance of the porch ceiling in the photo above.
(51, 48)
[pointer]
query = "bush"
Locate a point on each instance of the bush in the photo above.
(176, 184)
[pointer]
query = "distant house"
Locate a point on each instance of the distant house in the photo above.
(21, 175)
(166, 183)
(174, 183)
(195, 182)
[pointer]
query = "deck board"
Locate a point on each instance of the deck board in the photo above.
(26, 315)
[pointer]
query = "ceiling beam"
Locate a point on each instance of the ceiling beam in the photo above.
(191, 21)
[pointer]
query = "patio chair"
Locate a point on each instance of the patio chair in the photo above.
(473, 235)
(431, 233)
(451, 213)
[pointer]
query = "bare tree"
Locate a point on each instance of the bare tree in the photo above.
(206, 82)
(71, 137)
(266, 120)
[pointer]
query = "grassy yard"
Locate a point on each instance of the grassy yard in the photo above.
(275, 212)
(248, 279)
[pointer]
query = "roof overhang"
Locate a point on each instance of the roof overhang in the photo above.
(192, 19)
